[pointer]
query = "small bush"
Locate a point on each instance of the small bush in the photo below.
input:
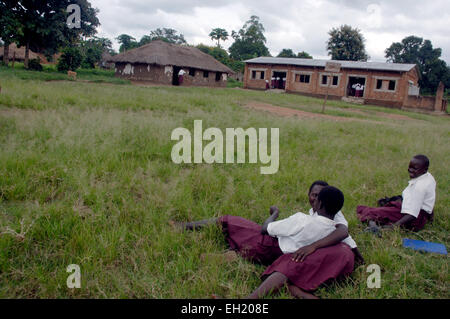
(35, 64)
(70, 59)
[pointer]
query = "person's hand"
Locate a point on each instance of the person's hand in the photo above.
(301, 253)
(274, 209)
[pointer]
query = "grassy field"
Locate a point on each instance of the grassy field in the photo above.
(86, 178)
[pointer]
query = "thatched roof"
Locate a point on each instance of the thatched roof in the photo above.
(20, 52)
(163, 53)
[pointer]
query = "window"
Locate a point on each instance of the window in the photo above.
(324, 79)
(253, 74)
(262, 75)
(205, 74)
(302, 78)
(335, 80)
(379, 84)
(192, 72)
(391, 85)
(218, 74)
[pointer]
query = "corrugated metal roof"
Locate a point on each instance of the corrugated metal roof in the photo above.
(380, 66)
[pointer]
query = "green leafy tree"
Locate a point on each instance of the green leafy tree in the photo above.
(222, 56)
(219, 34)
(92, 50)
(10, 27)
(127, 42)
(346, 43)
(70, 59)
(167, 35)
(416, 50)
(286, 53)
(304, 55)
(249, 41)
(44, 24)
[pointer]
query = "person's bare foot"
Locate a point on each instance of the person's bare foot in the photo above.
(301, 294)
(177, 226)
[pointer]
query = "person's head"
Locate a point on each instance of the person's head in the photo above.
(329, 201)
(418, 166)
(314, 190)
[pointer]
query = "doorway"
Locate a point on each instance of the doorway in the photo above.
(356, 86)
(175, 79)
(278, 83)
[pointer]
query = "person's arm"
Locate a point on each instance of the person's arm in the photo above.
(334, 238)
(405, 219)
(274, 213)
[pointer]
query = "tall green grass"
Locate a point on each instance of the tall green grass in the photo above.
(86, 169)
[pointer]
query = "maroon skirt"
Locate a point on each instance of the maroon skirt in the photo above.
(391, 213)
(320, 267)
(244, 236)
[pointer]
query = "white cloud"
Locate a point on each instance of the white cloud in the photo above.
(299, 25)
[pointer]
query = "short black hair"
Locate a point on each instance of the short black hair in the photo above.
(332, 199)
(321, 183)
(423, 159)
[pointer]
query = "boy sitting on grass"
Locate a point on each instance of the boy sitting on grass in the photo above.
(413, 209)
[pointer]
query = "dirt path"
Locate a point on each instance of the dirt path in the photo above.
(284, 111)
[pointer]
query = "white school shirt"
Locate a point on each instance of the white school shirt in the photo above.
(339, 218)
(419, 194)
(300, 230)
(182, 72)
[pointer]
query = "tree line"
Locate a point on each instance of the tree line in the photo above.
(41, 26)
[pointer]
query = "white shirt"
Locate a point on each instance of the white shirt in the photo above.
(300, 230)
(182, 72)
(339, 218)
(419, 194)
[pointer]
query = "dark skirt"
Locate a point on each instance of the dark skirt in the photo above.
(320, 267)
(391, 213)
(244, 236)
(180, 79)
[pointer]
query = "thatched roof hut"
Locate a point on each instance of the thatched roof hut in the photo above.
(161, 62)
(19, 53)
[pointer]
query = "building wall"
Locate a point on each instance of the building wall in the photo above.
(372, 94)
(164, 75)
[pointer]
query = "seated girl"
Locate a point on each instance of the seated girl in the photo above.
(301, 230)
(414, 208)
(245, 237)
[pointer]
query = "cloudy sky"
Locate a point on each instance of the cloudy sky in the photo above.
(301, 25)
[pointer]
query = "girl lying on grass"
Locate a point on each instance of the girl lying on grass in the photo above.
(313, 231)
(413, 209)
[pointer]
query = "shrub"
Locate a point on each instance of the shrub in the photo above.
(70, 59)
(35, 64)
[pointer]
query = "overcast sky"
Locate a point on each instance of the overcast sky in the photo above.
(301, 25)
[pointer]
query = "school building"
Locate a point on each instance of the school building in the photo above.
(378, 83)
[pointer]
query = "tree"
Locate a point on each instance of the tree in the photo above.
(167, 35)
(44, 24)
(219, 34)
(70, 59)
(304, 55)
(249, 41)
(347, 44)
(10, 28)
(222, 56)
(417, 51)
(286, 53)
(127, 42)
(92, 50)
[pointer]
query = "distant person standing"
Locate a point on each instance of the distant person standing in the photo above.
(181, 74)
(273, 82)
(267, 85)
(284, 83)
